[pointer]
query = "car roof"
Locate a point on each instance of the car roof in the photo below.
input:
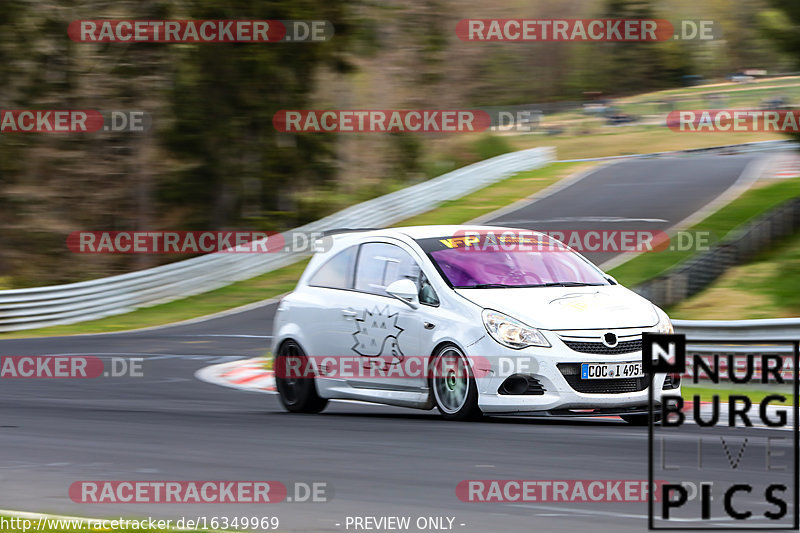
(422, 232)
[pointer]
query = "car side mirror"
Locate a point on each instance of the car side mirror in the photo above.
(404, 290)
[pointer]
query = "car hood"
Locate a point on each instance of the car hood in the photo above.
(605, 307)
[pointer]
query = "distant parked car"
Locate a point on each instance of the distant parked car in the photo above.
(596, 107)
(616, 119)
(690, 80)
(740, 78)
(775, 103)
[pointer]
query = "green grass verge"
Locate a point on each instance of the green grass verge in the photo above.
(602, 141)
(749, 205)
(756, 395)
(766, 287)
(280, 281)
(588, 136)
(648, 105)
(785, 86)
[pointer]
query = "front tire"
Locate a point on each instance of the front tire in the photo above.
(453, 385)
(295, 380)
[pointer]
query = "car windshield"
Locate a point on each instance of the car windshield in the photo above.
(487, 267)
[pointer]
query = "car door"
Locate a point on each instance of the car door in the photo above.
(330, 289)
(383, 333)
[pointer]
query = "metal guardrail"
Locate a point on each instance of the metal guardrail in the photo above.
(758, 337)
(776, 329)
(76, 302)
(772, 336)
(697, 273)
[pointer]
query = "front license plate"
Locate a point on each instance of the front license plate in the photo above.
(611, 370)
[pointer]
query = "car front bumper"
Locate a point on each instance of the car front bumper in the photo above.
(493, 364)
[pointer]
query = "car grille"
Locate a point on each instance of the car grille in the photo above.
(572, 373)
(600, 348)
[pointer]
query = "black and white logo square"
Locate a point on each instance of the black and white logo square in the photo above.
(663, 353)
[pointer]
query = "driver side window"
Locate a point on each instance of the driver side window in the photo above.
(380, 264)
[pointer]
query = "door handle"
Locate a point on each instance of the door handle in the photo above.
(348, 313)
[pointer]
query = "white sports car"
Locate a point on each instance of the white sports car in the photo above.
(470, 319)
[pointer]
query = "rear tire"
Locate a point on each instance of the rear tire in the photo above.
(298, 393)
(453, 385)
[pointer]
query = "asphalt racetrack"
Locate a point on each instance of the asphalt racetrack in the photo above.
(375, 460)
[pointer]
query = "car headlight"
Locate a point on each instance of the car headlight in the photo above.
(511, 332)
(664, 323)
